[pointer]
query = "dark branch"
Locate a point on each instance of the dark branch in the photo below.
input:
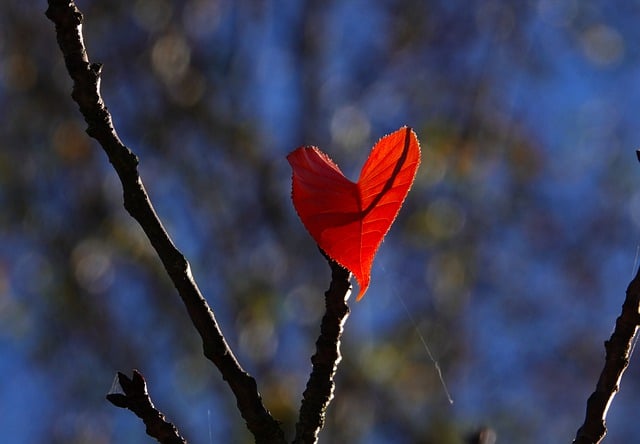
(319, 391)
(86, 93)
(137, 399)
(618, 350)
(485, 435)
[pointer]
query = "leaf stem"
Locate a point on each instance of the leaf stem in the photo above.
(320, 387)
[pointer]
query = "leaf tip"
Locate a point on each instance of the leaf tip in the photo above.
(364, 286)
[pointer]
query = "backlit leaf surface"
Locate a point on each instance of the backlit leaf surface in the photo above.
(349, 220)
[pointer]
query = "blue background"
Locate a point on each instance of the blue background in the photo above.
(512, 252)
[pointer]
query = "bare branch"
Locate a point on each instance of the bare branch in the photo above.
(86, 92)
(136, 398)
(319, 391)
(618, 350)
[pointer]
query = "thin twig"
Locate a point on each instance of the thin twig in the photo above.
(618, 351)
(136, 398)
(319, 391)
(86, 92)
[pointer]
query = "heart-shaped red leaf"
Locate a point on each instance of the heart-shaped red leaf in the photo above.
(349, 220)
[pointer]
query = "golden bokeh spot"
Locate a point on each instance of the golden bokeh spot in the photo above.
(171, 57)
(71, 143)
(19, 72)
(602, 45)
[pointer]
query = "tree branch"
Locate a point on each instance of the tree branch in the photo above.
(618, 350)
(86, 92)
(319, 391)
(136, 398)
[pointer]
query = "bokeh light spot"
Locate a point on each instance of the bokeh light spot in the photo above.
(152, 15)
(170, 57)
(602, 45)
(92, 265)
(189, 89)
(202, 17)
(350, 128)
(19, 72)
(71, 142)
(443, 219)
(448, 278)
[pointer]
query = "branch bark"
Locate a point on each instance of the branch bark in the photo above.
(136, 398)
(320, 387)
(618, 350)
(86, 93)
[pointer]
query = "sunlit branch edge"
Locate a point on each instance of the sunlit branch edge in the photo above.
(618, 352)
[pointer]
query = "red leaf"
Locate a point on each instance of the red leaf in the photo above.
(349, 220)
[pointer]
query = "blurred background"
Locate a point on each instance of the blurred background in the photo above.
(512, 252)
